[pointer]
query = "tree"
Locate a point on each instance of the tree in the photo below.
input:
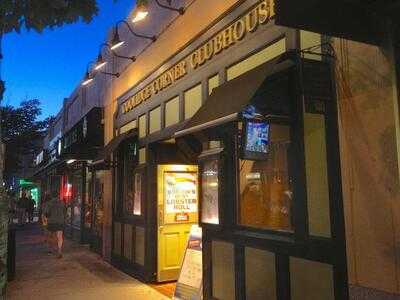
(41, 14)
(21, 133)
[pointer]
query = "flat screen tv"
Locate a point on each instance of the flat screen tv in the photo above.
(255, 142)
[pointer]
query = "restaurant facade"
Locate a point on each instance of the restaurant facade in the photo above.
(262, 135)
(231, 133)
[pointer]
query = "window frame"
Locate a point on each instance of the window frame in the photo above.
(292, 178)
(125, 173)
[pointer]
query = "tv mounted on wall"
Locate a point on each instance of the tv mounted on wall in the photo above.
(255, 139)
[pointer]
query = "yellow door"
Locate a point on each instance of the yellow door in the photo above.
(177, 212)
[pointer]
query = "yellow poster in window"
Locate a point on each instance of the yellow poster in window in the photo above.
(181, 195)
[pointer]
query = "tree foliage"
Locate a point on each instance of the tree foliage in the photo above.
(21, 132)
(41, 14)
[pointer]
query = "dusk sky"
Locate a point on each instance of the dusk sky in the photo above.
(48, 66)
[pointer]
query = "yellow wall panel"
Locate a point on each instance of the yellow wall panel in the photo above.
(172, 112)
(256, 59)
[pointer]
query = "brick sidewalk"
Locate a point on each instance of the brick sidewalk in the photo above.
(80, 274)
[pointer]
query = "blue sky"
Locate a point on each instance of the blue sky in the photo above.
(48, 66)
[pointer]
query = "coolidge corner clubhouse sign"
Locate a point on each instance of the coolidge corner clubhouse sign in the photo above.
(227, 37)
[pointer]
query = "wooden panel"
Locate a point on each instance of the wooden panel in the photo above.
(311, 39)
(139, 246)
(155, 120)
(127, 127)
(142, 126)
(142, 155)
(256, 59)
(117, 238)
(260, 274)
(128, 241)
(192, 101)
(223, 271)
(171, 250)
(311, 280)
(172, 112)
(213, 82)
(317, 175)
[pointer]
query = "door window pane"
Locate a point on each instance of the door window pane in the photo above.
(129, 164)
(88, 200)
(209, 184)
(137, 190)
(265, 186)
(98, 203)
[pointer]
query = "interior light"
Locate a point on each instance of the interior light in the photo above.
(70, 161)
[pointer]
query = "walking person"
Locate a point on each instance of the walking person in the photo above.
(43, 220)
(21, 209)
(54, 217)
(30, 209)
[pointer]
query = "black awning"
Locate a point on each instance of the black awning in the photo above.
(228, 100)
(114, 144)
(362, 21)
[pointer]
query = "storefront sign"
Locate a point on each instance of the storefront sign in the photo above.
(180, 194)
(189, 285)
(259, 15)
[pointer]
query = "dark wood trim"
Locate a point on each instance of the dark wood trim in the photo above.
(207, 265)
(282, 277)
(240, 273)
(337, 217)
(299, 162)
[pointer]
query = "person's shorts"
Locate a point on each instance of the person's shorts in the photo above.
(55, 227)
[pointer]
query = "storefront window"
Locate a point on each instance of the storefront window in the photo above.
(98, 203)
(77, 200)
(137, 197)
(209, 184)
(132, 180)
(265, 186)
(88, 201)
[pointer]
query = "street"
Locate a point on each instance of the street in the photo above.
(80, 274)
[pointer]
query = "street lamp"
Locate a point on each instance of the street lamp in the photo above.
(116, 41)
(90, 77)
(100, 62)
(142, 11)
(152, 38)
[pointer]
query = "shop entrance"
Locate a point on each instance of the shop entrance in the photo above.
(177, 210)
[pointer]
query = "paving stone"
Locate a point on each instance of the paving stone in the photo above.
(80, 274)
